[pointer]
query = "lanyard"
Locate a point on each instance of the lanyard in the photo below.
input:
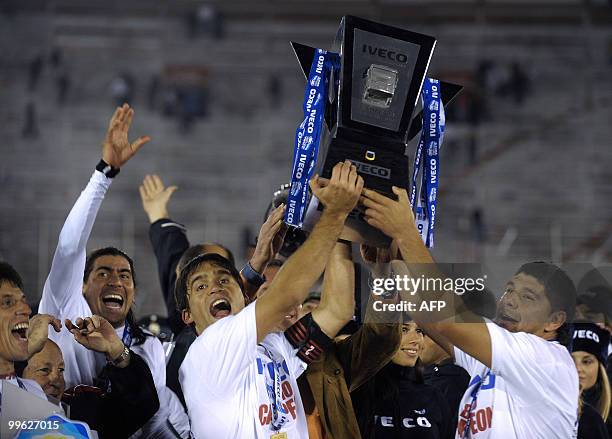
(308, 134)
(424, 197)
(127, 335)
(473, 404)
(274, 378)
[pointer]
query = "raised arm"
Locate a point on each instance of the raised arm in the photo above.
(269, 241)
(396, 220)
(338, 296)
(369, 349)
(303, 268)
(65, 279)
(168, 238)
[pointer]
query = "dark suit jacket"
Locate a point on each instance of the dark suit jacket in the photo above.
(119, 413)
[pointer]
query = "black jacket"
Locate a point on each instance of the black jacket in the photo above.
(169, 243)
(591, 424)
(119, 413)
(451, 380)
(591, 397)
(396, 405)
(181, 346)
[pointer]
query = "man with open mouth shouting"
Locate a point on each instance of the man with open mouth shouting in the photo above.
(239, 375)
(104, 283)
(20, 337)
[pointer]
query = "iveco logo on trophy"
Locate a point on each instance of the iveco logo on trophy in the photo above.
(370, 169)
(385, 53)
(373, 77)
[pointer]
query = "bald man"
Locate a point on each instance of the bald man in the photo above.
(47, 369)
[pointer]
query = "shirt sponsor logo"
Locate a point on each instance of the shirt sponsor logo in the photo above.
(407, 422)
(265, 410)
(479, 419)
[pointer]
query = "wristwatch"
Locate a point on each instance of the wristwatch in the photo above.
(107, 169)
(121, 358)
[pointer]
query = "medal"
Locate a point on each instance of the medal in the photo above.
(279, 436)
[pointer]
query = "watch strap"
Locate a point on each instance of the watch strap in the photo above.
(107, 169)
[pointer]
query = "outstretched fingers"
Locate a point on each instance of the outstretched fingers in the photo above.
(138, 143)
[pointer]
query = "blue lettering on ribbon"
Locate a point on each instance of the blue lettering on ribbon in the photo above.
(276, 373)
(423, 197)
(308, 133)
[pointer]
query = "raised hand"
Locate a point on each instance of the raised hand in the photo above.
(270, 239)
(38, 331)
(96, 334)
(116, 148)
(341, 194)
(155, 197)
(391, 217)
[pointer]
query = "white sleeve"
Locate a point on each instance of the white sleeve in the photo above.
(176, 413)
(218, 358)
(295, 365)
(152, 352)
(467, 362)
(65, 279)
(525, 361)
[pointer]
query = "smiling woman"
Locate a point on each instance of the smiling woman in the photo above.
(590, 351)
(397, 403)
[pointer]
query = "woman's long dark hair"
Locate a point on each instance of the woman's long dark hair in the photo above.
(384, 389)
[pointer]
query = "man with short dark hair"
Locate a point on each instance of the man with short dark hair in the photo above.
(104, 284)
(172, 252)
(172, 249)
(524, 383)
(20, 336)
(239, 372)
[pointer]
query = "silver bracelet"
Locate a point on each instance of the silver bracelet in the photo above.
(121, 358)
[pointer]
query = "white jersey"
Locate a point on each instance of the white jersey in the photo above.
(224, 378)
(530, 391)
(29, 386)
(62, 297)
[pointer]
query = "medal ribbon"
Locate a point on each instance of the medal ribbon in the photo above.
(423, 198)
(274, 378)
(308, 133)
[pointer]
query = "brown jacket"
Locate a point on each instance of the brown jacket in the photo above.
(344, 367)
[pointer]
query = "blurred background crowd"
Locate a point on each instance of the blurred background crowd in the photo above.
(525, 167)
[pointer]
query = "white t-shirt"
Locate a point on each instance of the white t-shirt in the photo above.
(530, 392)
(30, 386)
(224, 382)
